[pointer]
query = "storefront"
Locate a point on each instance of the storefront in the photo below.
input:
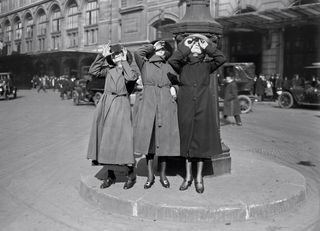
(277, 40)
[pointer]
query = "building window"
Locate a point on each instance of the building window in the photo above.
(29, 45)
(18, 46)
(42, 25)
(41, 43)
(91, 36)
(56, 42)
(56, 21)
(8, 36)
(18, 29)
(72, 21)
(29, 29)
(123, 3)
(91, 16)
(73, 39)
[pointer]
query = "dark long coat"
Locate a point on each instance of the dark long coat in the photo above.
(111, 138)
(156, 127)
(231, 105)
(198, 122)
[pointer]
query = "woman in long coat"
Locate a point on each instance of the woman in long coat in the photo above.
(111, 138)
(156, 129)
(231, 105)
(197, 118)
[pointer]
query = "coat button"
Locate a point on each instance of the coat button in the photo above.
(194, 84)
(194, 98)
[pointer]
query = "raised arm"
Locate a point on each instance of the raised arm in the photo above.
(99, 66)
(141, 54)
(129, 73)
(178, 57)
(217, 57)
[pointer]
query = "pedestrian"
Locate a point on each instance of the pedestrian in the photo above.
(231, 102)
(297, 81)
(156, 129)
(260, 87)
(197, 115)
(42, 84)
(111, 138)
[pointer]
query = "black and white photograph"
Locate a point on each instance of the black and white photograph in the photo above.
(159, 115)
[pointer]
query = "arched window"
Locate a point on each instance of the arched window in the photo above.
(55, 27)
(28, 32)
(157, 33)
(91, 23)
(56, 19)
(91, 15)
(72, 21)
(8, 31)
(29, 26)
(18, 29)
(42, 29)
(42, 23)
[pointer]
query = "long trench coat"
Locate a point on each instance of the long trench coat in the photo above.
(198, 122)
(156, 128)
(231, 105)
(111, 138)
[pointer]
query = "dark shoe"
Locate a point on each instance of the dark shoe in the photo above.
(107, 183)
(199, 186)
(130, 182)
(185, 185)
(165, 183)
(149, 184)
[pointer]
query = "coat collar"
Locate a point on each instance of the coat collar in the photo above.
(156, 58)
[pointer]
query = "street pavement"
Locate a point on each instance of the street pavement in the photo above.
(43, 146)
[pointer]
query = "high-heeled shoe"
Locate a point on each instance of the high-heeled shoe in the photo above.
(199, 186)
(165, 182)
(108, 182)
(185, 185)
(130, 182)
(149, 184)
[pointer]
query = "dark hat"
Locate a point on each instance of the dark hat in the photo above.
(115, 50)
(167, 47)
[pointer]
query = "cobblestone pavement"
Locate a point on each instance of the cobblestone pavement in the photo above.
(43, 143)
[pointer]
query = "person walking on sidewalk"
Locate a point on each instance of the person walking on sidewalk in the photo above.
(156, 130)
(42, 83)
(231, 102)
(111, 138)
(197, 116)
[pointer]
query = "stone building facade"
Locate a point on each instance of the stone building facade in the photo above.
(63, 36)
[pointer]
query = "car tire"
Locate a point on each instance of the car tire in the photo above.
(96, 98)
(75, 97)
(245, 104)
(285, 100)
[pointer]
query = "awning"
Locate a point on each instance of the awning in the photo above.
(274, 18)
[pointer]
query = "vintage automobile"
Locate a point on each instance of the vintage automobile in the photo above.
(244, 76)
(89, 89)
(7, 87)
(307, 94)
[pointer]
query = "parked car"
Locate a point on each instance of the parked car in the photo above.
(244, 76)
(7, 87)
(306, 94)
(88, 90)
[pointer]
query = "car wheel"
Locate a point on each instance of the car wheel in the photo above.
(75, 97)
(285, 100)
(245, 104)
(96, 98)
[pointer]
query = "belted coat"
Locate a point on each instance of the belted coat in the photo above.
(156, 121)
(231, 105)
(111, 137)
(198, 122)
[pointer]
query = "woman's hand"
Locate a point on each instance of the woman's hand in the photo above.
(124, 54)
(159, 45)
(173, 92)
